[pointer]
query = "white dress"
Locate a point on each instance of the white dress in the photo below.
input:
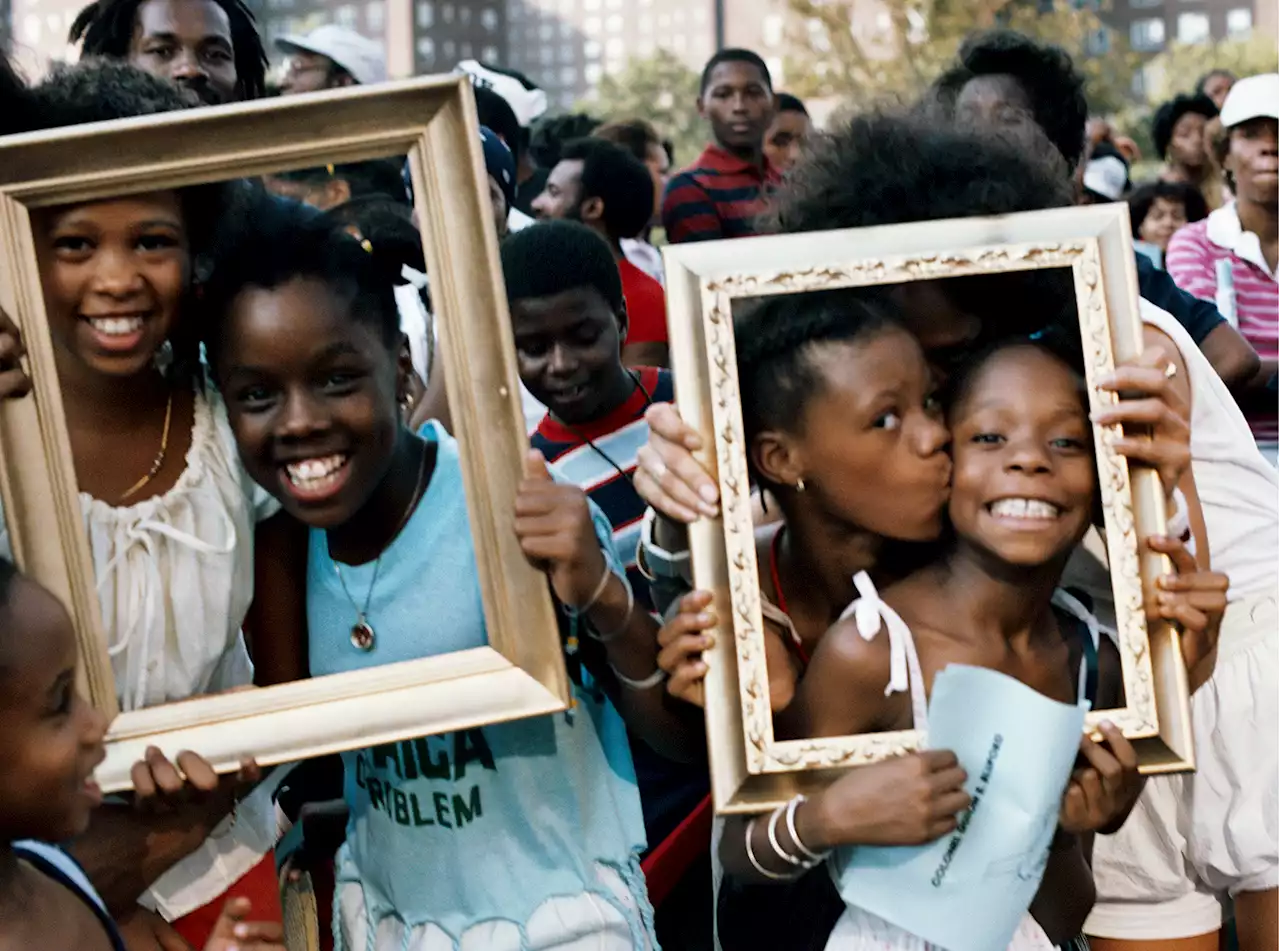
(175, 579)
(1194, 840)
(860, 930)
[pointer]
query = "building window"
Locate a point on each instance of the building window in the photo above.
(591, 26)
(547, 31)
(1146, 35)
(1193, 27)
(375, 16)
(700, 16)
(1145, 4)
(426, 50)
(774, 65)
(566, 30)
(489, 54)
(680, 43)
(464, 51)
(446, 13)
(645, 23)
(615, 49)
(568, 76)
(613, 24)
(1239, 22)
(567, 53)
(771, 30)
(546, 56)
(464, 15)
(591, 49)
(346, 16)
(450, 51)
(590, 5)
(489, 19)
(592, 74)
(1097, 42)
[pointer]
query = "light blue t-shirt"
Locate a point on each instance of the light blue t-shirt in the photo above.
(482, 824)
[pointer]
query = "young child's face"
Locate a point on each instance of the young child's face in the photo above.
(52, 738)
(1024, 479)
(312, 395)
(114, 273)
(568, 348)
(1163, 218)
(871, 440)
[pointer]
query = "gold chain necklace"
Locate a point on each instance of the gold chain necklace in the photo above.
(159, 461)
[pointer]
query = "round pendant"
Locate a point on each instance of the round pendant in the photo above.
(362, 636)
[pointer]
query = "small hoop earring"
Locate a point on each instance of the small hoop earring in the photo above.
(799, 485)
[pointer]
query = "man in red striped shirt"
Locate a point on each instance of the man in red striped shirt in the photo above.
(726, 189)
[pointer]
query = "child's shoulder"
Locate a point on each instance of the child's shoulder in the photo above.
(63, 909)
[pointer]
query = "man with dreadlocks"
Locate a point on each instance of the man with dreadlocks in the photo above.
(211, 47)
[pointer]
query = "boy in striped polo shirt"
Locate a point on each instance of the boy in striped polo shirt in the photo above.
(570, 322)
(727, 188)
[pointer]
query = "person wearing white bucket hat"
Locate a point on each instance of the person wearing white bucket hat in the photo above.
(331, 57)
(1230, 257)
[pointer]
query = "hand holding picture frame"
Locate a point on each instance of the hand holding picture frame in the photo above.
(432, 122)
(751, 769)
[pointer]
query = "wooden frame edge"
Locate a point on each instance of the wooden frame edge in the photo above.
(703, 281)
(432, 121)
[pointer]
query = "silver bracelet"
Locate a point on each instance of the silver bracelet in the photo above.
(655, 678)
(605, 637)
(573, 612)
(812, 856)
(755, 862)
(777, 846)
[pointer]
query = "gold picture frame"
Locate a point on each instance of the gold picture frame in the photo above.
(432, 121)
(750, 769)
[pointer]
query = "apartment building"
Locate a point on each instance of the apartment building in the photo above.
(1152, 25)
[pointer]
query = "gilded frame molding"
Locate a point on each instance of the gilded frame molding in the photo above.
(750, 769)
(432, 120)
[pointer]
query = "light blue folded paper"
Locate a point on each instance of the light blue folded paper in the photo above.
(969, 890)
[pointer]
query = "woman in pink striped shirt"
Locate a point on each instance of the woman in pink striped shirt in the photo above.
(1230, 257)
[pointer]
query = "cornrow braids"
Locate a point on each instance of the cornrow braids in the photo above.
(105, 28)
(776, 342)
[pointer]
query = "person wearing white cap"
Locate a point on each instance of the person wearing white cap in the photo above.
(1230, 257)
(1199, 844)
(329, 58)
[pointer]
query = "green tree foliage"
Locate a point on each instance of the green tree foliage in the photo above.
(661, 89)
(1178, 68)
(863, 55)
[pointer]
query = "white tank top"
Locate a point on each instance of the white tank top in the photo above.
(858, 929)
(1237, 486)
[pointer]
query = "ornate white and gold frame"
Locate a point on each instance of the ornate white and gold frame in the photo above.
(750, 769)
(433, 122)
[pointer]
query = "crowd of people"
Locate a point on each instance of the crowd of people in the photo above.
(272, 489)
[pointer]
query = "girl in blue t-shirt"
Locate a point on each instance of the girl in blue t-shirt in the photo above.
(516, 836)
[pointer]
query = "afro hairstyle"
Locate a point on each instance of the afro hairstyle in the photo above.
(1170, 112)
(1045, 72)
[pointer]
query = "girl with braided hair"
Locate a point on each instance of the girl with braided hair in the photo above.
(857, 178)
